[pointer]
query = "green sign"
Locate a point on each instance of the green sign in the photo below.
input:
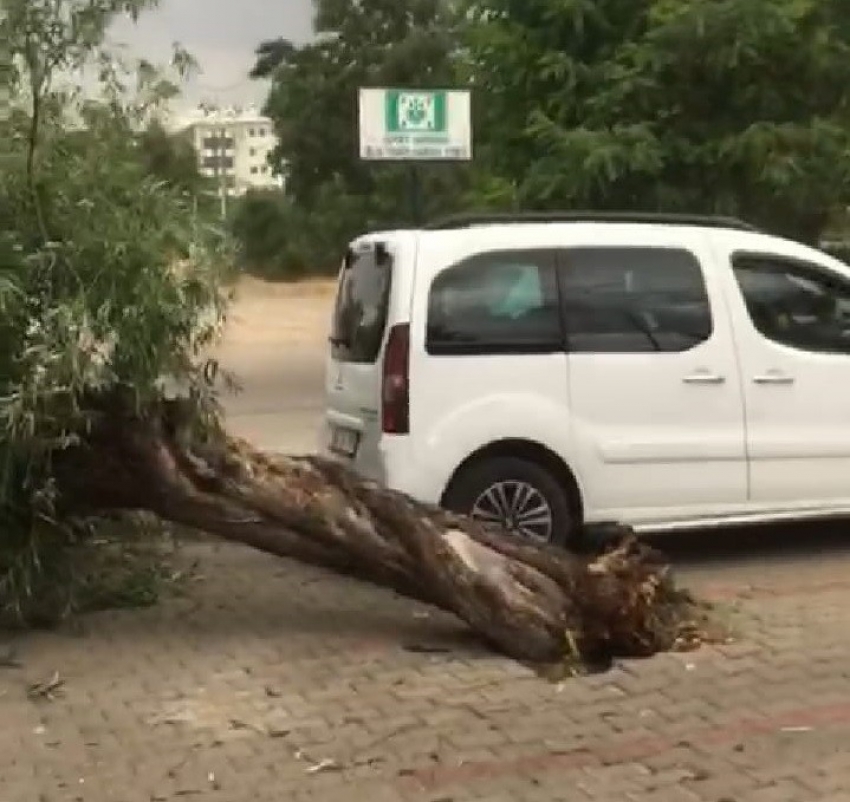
(415, 124)
(416, 112)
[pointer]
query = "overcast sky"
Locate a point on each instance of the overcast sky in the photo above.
(222, 36)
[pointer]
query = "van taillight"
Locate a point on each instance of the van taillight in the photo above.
(395, 389)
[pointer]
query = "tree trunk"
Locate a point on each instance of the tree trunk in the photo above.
(534, 603)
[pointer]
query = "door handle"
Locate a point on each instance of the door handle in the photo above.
(774, 378)
(704, 378)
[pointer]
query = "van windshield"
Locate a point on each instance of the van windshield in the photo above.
(360, 315)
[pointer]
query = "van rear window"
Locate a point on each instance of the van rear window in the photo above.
(360, 315)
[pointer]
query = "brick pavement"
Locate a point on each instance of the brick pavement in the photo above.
(250, 683)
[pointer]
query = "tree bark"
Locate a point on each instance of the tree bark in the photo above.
(535, 603)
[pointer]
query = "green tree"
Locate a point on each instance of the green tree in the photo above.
(727, 106)
(109, 281)
(172, 158)
(313, 98)
(313, 102)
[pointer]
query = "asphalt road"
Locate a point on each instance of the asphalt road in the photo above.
(282, 398)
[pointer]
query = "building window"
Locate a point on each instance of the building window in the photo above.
(251, 132)
(496, 303)
(252, 152)
(262, 132)
(218, 162)
(218, 143)
(634, 300)
(254, 171)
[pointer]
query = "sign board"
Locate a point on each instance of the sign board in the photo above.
(415, 125)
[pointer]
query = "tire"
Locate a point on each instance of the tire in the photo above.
(468, 495)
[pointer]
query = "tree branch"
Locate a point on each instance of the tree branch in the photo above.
(37, 81)
(533, 603)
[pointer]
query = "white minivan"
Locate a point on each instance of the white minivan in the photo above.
(545, 371)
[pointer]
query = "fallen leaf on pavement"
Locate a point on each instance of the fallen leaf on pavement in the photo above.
(46, 690)
(328, 764)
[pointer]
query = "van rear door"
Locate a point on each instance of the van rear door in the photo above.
(354, 370)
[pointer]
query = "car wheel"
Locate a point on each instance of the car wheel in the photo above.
(516, 494)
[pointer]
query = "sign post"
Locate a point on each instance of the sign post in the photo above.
(415, 126)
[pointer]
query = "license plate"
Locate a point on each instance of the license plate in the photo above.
(344, 441)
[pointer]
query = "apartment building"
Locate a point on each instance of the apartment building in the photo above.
(233, 147)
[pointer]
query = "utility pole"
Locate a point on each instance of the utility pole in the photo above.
(415, 182)
(221, 172)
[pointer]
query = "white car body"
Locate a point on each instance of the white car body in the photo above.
(738, 428)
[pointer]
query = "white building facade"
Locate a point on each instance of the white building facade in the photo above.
(233, 147)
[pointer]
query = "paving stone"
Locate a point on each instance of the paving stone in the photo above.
(271, 680)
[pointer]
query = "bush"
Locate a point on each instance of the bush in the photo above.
(280, 239)
(110, 282)
(263, 224)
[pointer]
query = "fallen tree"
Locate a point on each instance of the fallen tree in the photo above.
(112, 282)
(532, 602)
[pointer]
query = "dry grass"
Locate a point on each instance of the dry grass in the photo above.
(267, 314)
(250, 287)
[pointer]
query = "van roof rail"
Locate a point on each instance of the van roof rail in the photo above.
(657, 218)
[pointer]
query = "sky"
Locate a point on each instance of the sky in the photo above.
(222, 36)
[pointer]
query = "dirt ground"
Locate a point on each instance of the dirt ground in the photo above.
(275, 344)
(284, 315)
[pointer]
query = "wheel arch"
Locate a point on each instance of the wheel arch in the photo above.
(533, 452)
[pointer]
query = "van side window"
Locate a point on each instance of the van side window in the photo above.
(634, 300)
(795, 304)
(496, 303)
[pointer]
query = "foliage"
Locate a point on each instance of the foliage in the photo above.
(112, 563)
(281, 238)
(268, 227)
(734, 107)
(728, 106)
(108, 278)
(333, 195)
(313, 99)
(171, 158)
